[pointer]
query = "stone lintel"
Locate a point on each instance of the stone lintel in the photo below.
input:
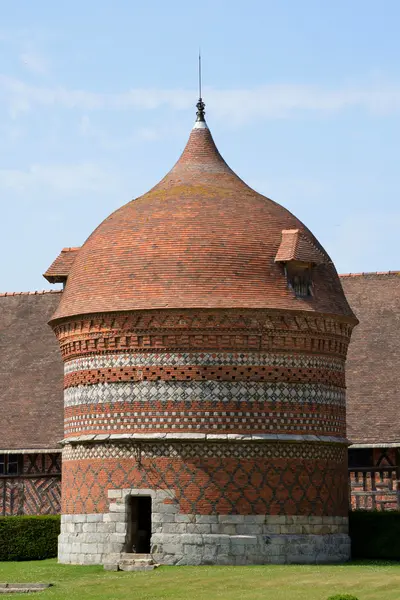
(204, 437)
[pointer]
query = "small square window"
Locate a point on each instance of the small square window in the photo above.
(9, 464)
(12, 466)
(299, 279)
(360, 457)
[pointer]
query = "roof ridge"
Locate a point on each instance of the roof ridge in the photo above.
(35, 293)
(297, 238)
(302, 234)
(369, 273)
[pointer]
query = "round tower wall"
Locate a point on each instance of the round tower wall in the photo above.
(232, 421)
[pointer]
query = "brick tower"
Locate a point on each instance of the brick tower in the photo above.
(204, 332)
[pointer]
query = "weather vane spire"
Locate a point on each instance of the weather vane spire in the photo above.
(200, 104)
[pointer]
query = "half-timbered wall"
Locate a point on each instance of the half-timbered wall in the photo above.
(36, 489)
(374, 478)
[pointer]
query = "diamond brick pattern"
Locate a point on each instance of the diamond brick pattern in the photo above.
(150, 359)
(196, 391)
(307, 451)
(218, 483)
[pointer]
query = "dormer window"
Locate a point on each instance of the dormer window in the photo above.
(299, 278)
(59, 270)
(298, 255)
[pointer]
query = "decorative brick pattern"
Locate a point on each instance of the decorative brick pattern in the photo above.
(37, 491)
(211, 330)
(201, 373)
(200, 437)
(212, 391)
(330, 452)
(164, 371)
(214, 417)
(255, 392)
(42, 496)
(12, 497)
(375, 489)
(312, 481)
(42, 464)
(214, 359)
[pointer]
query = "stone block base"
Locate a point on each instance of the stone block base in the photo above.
(214, 549)
(192, 539)
(179, 539)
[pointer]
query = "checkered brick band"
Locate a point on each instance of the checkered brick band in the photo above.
(265, 417)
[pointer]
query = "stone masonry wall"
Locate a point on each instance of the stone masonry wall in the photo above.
(203, 539)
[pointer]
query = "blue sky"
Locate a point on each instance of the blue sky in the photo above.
(97, 101)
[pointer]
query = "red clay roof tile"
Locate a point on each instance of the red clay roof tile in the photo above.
(60, 268)
(201, 238)
(295, 246)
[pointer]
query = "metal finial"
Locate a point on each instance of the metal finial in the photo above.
(200, 104)
(199, 73)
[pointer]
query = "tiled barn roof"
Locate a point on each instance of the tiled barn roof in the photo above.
(36, 293)
(201, 238)
(31, 372)
(373, 366)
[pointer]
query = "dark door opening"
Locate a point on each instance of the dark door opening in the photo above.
(139, 524)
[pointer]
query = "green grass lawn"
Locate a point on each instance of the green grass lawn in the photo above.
(367, 580)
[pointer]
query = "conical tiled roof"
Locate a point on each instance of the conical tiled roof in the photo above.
(201, 238)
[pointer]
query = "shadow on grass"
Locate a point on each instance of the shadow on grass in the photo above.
(367, 562)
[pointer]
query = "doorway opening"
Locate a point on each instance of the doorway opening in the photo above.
(139, 524)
